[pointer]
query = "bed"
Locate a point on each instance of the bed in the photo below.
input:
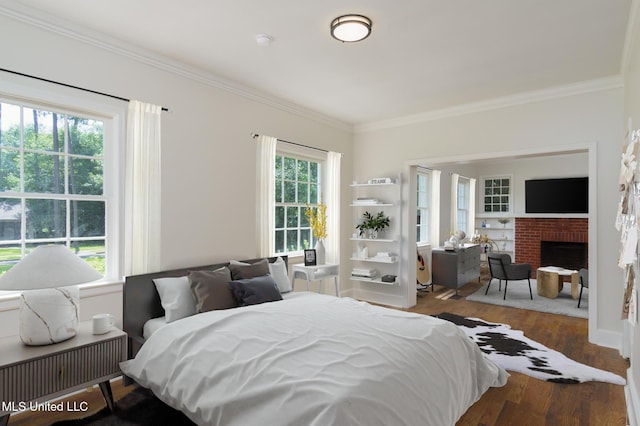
(306, 359)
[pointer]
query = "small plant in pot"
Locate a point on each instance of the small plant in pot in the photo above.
(371, 224)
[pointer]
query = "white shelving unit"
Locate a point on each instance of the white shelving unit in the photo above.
(384, 197)
(502, 234)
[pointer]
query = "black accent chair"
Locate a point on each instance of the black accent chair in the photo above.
(584, 282)
(501, 268)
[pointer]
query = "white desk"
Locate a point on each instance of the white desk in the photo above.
(317, 273)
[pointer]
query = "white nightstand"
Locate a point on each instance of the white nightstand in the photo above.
(30, 374)
(317, 273)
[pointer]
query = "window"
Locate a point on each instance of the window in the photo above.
(496, 194)
(297, 186)
(51, 182)
(462, 212)
(423, 221)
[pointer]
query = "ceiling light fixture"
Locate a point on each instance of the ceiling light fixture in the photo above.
(350, 28)
(264, 39)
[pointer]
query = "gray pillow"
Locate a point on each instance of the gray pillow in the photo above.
(252, 291)
(240, 271)
(211, 290)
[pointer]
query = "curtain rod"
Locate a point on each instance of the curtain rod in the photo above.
(255, 135)
(70, 86)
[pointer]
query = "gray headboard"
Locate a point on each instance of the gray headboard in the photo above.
(141, 301)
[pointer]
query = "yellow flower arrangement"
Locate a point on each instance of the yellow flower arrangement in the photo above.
(317, 220)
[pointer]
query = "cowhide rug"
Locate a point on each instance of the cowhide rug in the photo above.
(511, 350)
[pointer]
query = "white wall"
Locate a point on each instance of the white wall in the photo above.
(593, 117)
(208, 180)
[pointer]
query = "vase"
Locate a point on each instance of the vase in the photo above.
(372, 234)
(321, 255)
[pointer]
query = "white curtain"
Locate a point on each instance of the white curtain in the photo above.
(434, 226)
(142, 189)
(454, 202)
(472, 208)
(333, 207)
(265, 195)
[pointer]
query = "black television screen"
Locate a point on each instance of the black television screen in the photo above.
(563, 195)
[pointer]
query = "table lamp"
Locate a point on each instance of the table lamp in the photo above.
(50, 298)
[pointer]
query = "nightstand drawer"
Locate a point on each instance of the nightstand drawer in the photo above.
(57, 372)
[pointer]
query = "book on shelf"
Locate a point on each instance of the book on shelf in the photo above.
(364, 273)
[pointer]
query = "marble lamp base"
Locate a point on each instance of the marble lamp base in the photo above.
(49, 315)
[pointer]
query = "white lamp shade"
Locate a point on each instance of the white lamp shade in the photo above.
(48, 266)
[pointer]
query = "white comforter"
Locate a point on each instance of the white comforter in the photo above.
(314, 360)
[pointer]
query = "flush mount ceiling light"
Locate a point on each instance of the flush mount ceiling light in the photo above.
(350, 28)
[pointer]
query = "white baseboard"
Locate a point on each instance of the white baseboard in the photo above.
(606, 338)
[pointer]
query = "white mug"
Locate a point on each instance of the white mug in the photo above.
(102, 323)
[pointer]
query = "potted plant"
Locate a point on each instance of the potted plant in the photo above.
(371, 224)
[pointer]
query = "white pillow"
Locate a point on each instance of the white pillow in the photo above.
(278, 270)
(176, 297)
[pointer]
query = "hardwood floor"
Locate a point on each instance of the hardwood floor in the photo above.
(522, 401)
(528, 401)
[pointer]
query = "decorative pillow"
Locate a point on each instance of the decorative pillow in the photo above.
(176, 297)
(278, 271)
(211, 290)
(252, 291)
(240, 270)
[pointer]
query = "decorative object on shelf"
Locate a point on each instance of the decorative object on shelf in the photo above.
(504, 221)
(371, 224)
(310, 257)
(317, 217)
(388, 278)
(377, 181)
(50, 302)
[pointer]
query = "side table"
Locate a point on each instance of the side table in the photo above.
(317, 273)
(550, 281)
(33, 374)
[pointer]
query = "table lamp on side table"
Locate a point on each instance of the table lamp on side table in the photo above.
(50, 302)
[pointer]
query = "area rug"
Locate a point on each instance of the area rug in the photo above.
(518, 297)
(511, 350)
(138, 408)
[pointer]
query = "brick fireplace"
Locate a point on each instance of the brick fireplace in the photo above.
(564, 240)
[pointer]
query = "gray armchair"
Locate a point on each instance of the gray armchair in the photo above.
(501, 268)
(584, 282)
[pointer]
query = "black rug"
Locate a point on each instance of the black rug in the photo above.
(138, 408)
(511, 350)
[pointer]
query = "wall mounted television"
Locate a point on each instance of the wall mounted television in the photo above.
(561, 195)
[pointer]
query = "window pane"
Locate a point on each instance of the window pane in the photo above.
(292, 217)
(279, 160)
(10, 219)
(304, 220)
(43, 173)
(289, 168)
(279, 242)
(292, 240)
(279, 217)
(85, 136)
(9, 170)
(85, 177)
(43, 130)
(46, 218)
(9, 256)
(289, 192)
(91, 252)
(314, 171)
(313, 195)
(305, 238)
(87, 219)
(9, 125)
(303, 193)
(278, 191)
(303, 171)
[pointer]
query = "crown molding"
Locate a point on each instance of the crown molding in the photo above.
(75, 32)
(606, 83)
